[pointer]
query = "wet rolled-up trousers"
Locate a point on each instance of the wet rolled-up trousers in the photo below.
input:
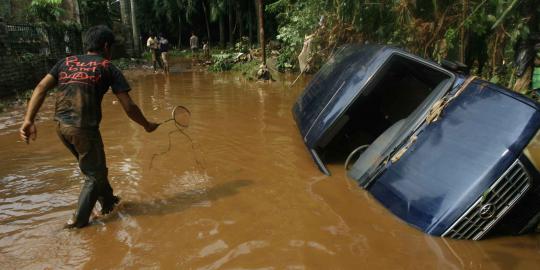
(87, 147)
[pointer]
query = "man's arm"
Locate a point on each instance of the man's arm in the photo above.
(134, 113)
(28, 129)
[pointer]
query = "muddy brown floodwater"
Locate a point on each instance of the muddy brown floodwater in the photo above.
(258, 201)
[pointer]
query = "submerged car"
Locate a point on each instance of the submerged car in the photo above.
(448, 153)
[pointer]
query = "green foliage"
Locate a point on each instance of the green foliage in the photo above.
(297, 19)
(218, 8)
(170, 9)
(164, 15)
(29, 57)
(48, 15)
(147, 55)
(221, 62)
(247, 69)
(94, 12)
(122, 63)
(242, 45)
(226, 62)
(450, 37)
(430, 28)
(46, 11)
(286, 60)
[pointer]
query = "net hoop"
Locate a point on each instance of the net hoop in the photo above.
(173, 115)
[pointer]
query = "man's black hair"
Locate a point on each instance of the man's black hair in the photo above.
(96, 37)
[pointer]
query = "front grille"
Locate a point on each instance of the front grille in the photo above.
(492, 205)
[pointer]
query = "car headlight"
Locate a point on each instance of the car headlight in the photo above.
(532, 151)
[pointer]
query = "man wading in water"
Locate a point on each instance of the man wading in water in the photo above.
(82, 81)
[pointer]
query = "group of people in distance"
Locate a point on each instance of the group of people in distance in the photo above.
(159, 47)
(194, 46)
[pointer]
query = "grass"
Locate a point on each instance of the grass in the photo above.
(122, 63)
(247, 69)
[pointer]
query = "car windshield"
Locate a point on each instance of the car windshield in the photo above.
(373, 159)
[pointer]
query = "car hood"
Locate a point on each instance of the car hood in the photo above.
(455, 159)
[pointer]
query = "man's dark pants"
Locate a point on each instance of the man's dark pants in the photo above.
(87, 147)
(156, 58)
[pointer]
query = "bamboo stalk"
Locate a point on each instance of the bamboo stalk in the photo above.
(504, 14)
(464, 8)
(261, 30)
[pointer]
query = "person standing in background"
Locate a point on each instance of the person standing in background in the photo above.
(164, 49)
(206, 50)
(153, 44)
(193, 43)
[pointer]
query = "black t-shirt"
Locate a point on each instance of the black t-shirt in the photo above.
(164, 45)
(82, 81)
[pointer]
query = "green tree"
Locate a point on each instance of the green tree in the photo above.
(46, 11)
(94, 12)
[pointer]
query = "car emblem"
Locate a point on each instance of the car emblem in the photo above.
(487, 211)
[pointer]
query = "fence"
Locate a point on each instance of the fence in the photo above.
(27, 52)
(53, 43)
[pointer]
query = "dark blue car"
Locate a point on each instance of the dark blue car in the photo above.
(450, 154)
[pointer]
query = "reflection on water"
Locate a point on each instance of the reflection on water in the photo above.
(257, 203)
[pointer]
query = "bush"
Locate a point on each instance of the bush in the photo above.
(247, 69)
(297, 20)
(243, 45)
(147, 55)
(122, 63)
(222, 62)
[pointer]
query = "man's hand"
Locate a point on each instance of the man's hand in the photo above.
(134, 113)
(28, 128)
(151, 126)
(28, 131)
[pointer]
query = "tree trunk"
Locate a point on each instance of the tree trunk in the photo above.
(126, 29)
(250, 24)
(179, 31)
(206, 20)
(231, 22)
(530, 11)
(135, 29)
(261, 29)
(257, 22)
(77, 11)
(462, 33)
(435, 10)
(124, 12)
(239, 24)
(221, 31)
